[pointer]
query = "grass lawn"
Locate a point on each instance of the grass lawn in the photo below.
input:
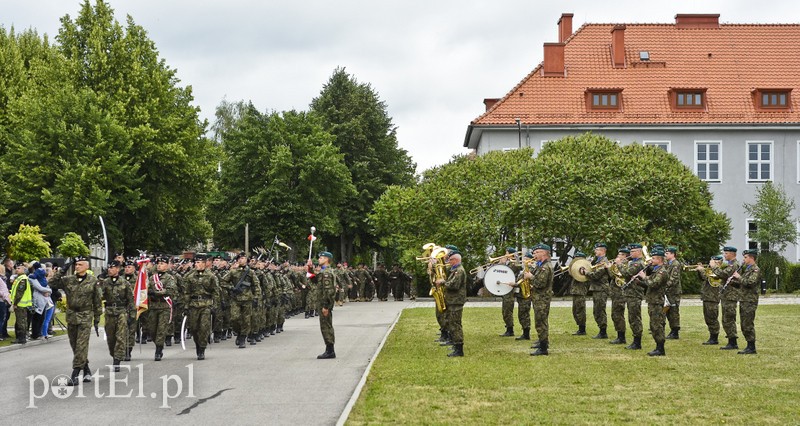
(56, 329)
(583, 380)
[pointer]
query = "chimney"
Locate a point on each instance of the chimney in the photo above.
(489, 102)
(564, 27)
(688, 20)
(618, 46)
(553, 60)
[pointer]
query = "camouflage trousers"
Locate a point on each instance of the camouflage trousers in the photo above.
(326, 327)
(311, 301)
(441, 318)
(132, 328)
(579, 309)
(729, 318)
(618, 314)
(711, 315)
(281, 318)
(79, 341)
(199, 324)
(674, 313)
(20, 322)
(174, 328)
(117, 334)
(159, 325)
(508, 309)
(599, 299)
(255, 318)
(747, 314)
(635, 316)
(362, 291)
(272, 315)
(524, 312)
(656, 312)
(454, 314)
(240, 316)
(541, 316)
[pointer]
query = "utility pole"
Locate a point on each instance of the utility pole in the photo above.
(247, 239)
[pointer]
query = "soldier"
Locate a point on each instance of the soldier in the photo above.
(598, 279)
(523, 303)
(161, 289)
(633, 293)
(118, 297)
(673, 292)
(21, 302)
(325, 280)
(84, 308)
(541, 293)
(455, 295)
(507, 304)
(396, 280)
(750, 280)
(656, 285)
(382, 282)
(201, 294)
(729, 294)
(311, 296)
(579, 290)
(240, 280)
(709, 294)
(617, 297)
(222, 319)
(255, 314)
(129, 275)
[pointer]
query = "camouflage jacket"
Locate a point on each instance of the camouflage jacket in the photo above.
(542, 281)
(709, 293)
(656, 284)
(247, 288)
(674, 290)
(118, 295)
(598, 279)
(751, 283)
(455, 287)
(325, 281)
(633, 291)
(200, 289)
(724, 271)
(156, 298)
(84, 301)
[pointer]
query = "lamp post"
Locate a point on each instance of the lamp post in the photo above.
(519, 132)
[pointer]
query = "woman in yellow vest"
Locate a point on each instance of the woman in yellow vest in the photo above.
(21, 301)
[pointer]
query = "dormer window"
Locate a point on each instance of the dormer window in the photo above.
(773, 99)
(604, 99)
(687, 99)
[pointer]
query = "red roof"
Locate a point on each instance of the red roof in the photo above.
(730, 62)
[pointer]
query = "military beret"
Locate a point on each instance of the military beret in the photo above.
(452, 252)
(624, 250)
(162, 259)
(717, 257)
(239, 255)
(752, 253)
(114, 264)
(579, 254)
(129, 263)
(598, 245)
(634, 246)
(326, 254)
(81, 259)
(451, 247)
(730, 248)
(119, 254)
(529, 254)
(657, 252)
(200, 257)
(671, 249)
(541, 246)
(511, 250)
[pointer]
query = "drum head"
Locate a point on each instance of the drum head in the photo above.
(499, 279)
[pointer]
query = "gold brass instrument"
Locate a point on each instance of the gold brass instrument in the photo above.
(525, 283)
(574, 268)
(426, 253)
(437, 255)
(713, 279)
(619, 279)
(492, 261)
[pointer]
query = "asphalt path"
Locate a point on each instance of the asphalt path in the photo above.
(277, 381)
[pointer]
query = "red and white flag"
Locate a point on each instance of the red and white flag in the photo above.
(140, 292)
(160, 287)
(311, 237)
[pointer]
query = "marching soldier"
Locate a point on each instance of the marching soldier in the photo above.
(579, 290)
(255, 313)
(709, 294)
(541, 293)
(397, 280)
(161, 288)
(364, 282)
(633, 293)
(325, 281)
(84, 308)
(223, 317)
(240, 280)
(598, 284)
(177, 303)
(455, 295)
(382, 281)
(729, 294)
(118, 295)
(507, 308)
(750, 280)
(656, 285)
(129, 275)
(201, 294)
(673, 292)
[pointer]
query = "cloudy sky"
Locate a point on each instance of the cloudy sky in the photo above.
(433, 62)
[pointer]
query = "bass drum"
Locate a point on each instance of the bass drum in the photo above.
(480, 273)
(499, 280)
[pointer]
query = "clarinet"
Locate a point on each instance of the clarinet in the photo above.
(731, 278)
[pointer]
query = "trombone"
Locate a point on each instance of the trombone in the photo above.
(492, 261)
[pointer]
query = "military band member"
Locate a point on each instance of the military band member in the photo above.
(201, 295)
(579, 290)
(598, 285)
(325, 281)
(656, 285)
(750, 280)
(674, 292)
(541, 293)
(709, 294)
(729, 294)
(523, 303)
(633, 294)
(118, 297)
(507, 308)
(455, 295)
(161, 289)
(617, 296)
(84, 308)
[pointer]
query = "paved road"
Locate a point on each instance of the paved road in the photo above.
(278, 381)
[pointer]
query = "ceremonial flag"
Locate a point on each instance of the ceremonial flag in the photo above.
(140, 292)
(311, 237)
(160, 287)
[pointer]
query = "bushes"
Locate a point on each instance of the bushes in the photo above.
(767, 262)
(791, 280)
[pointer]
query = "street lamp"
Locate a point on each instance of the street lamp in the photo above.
(519, 132)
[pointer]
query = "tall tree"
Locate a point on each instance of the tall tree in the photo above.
(365, 134)
(773, 214)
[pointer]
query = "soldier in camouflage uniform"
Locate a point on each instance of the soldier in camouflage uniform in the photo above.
(455, 295)
(633, 294)
(286, 290)
(382, 282)
(311, 296)
(542, 292)
(118, 297)
(729, 294)
(750, 280)
(130, 277)
(240, 280)
(84, 307)
(656, 285)
(524, 304)
(161, 289)
(618, 297)
(325, 281)
(173, 330)
(201, 295)
(674, 292)
(255, 313)
(709, 294)
(222, 319)
(507, 304)
(579, 290)
(598, 285)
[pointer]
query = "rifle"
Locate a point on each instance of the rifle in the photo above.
(239, 287)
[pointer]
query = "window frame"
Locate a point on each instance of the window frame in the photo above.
(590, 93)
(758, 97)
(658, 143)
(759, 245)
(759, 161)
(675, 92)
(718, 161)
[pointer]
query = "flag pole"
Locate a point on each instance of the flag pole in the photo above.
(311, 242)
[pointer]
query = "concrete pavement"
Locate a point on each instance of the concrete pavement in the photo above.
(278, 381)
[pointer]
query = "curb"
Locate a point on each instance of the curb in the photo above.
(357, 392)
(30, 343)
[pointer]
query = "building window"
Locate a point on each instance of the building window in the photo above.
(773, 99)
(752, 227)
(686, 99)
(603, 99)
(759, 161)
(665, 145)
(708, 161)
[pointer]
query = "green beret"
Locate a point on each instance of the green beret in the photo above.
(114, 264)
(200, 257)
(624, 250)
(717, 257)
(603, 245)
(657, 252)
(452, 252)
(579, 254)
(753, 253)
(541, 246)
(529, 254)
(634, 246)
(326, 254)
(672, 249)
(451, 247)
(511, 250)
(162, 259)
(729, 248)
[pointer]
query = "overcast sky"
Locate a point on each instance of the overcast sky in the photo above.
(432, 62)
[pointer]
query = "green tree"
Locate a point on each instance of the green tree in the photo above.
(28, 244)
(773, 214)
(365, 134)
(281, 173)
(72, 245)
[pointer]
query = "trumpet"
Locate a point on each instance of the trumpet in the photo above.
(492, 261)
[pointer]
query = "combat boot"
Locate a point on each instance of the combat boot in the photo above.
(307, 314)
(542, 349)
(280, 328)
(216, 338)
(509, 332)
(116, 366)
(731, 344)
(602, 334)
(750, 349)
(253, 339)
(87, 373)
(272, 331)
(620, 340)
(673, 334)
(73, 378)
(658, 351)
(712, 339)
(526, 334)
(445, 336)
(128, 354)
(536, 344)
(241, 342)
(257, 337)
(458, 350)
(637, 343)
(328, 354)
(581, 331)
(159, 353)
(168, 341)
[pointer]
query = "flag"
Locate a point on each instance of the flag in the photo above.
(140, 292)
(311, 237)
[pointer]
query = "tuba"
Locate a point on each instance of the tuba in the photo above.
(525, 283)
(437, 256)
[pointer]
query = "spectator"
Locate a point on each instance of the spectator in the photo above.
(42, 303)
(21, 302)
(5, 302)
